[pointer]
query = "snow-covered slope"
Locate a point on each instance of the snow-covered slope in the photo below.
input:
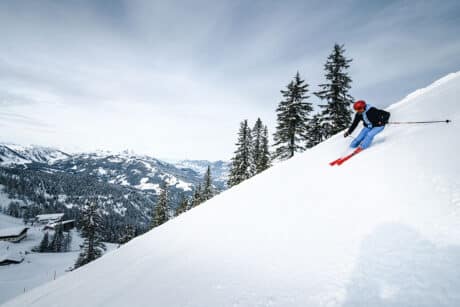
(383, 229)
(19, 154)
(36, 268)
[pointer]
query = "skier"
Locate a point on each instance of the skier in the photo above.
(374, 122)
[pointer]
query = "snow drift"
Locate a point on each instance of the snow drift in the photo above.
(383, 229)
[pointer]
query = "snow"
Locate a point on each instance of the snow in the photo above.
(149, 166)
(4, 246)
(37, 268)
(101, 171)
(200, 168)
(122, 180)
(52, 216)
(5, 200)
(11, 231)
(383, 229)
(173, 181)
(115, 160)
(184, 185)
(145, 185)
(35, 153)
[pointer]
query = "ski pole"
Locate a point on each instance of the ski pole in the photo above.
(424, 122)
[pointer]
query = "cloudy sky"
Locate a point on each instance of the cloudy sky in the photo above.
(174, 78)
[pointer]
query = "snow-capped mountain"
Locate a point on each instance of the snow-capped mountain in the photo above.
(11, 154)
(219, 169)
(127, 185)
(125, 168)
(383, 229)
(140, 172)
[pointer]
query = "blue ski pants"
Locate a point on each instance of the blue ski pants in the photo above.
(365, 137)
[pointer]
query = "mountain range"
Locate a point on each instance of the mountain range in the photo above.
(45, 180)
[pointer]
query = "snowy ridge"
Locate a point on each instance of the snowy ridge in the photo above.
(381, 230)
(219, 169)
(19, 154)
(424, 90)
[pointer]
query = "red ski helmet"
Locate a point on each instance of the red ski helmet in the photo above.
(359, 105)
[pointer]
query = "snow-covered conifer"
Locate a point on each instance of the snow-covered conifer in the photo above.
(91, 222)
(184, 205)
(260, 150)
(67, 241)
(161, 211)
(292, 119)
(128, 234)
(196, 198)
(242, 165)
(44, 244)
(208, 190)
(57, 243)
(315, 132)
(336, 113)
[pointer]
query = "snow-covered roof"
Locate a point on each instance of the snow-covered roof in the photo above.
(15, 257)
(53, 216)
(60, 223)
(11, 232)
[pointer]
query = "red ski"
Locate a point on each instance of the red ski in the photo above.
(339, 161)
(334, 162)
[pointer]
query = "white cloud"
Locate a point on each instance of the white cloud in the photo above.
(175, 79)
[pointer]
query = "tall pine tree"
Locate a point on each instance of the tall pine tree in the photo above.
(44, 244)
(260, 151)
(292, 120)
(242, 165)
(208, 191)
(336, 113)
(265, 160)
(128, 234)
(57, 244)
(315, 131)
(67, 243)
(91, 231)
(196, 198)
(184, 205)
(161, 211)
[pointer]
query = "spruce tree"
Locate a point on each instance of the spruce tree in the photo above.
(292, 120)
(44, 244)
(265, 161)
(315, 131)
(57, 244)
(208, 191)
(261, 154)
(196, 198)
(128, 234)
(257, 134)
(67, 242)
(242, 163)
(336, 112)
(184, 205)
(91, 231)
(161, 211)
